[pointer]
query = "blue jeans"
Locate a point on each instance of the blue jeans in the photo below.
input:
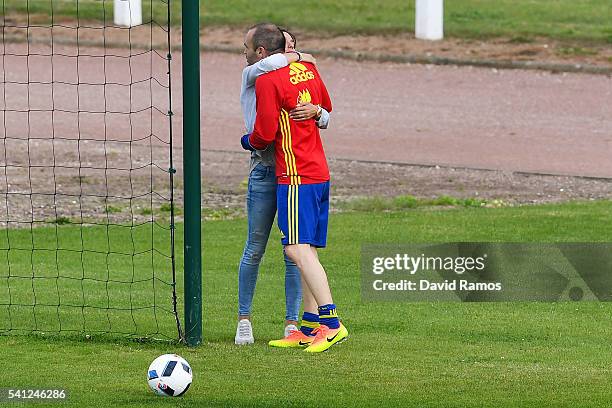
(261, 209)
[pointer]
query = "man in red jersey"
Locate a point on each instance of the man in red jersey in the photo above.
(302, 193)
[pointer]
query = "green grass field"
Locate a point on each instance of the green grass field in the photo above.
(399, 354)
(585, 20)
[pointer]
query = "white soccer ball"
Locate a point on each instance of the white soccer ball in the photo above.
(169, 375)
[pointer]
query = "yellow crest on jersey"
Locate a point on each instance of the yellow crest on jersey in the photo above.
(304, 96)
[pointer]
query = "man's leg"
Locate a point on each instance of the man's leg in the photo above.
(261, 208)
(302, 218)
(310, 304)
(330, 330)
(310, 208)
(312, 271)
(310, 319)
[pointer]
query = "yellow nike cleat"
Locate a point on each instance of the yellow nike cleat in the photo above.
(326, 337)
(295, 339)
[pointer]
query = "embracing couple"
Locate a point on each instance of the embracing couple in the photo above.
(285, 103)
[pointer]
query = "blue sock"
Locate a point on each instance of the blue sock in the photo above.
(328, 316)
(310, 321)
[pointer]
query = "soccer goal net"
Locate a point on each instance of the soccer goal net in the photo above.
(86, 170)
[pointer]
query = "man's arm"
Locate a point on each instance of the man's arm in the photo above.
(268, 112)
(272, 63)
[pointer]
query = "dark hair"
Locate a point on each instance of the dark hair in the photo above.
(284, 30)
(268, 36)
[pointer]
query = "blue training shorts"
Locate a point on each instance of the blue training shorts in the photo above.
(302, 213)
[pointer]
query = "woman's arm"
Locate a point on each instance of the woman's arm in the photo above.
(272, 63)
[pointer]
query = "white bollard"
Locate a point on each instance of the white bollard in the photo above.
(429, 24)
(128, 13)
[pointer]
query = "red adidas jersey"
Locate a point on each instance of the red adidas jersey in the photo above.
(300, 158)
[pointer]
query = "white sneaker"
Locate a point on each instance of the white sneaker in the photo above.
(244, 333)
(289, 328)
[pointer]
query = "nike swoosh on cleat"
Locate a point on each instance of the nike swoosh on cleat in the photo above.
(301, 343)
(332, 339)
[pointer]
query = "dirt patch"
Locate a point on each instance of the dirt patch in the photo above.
(225, 175)
(88, 186)
(506, 49)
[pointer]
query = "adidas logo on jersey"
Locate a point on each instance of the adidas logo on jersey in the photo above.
(299, 73)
